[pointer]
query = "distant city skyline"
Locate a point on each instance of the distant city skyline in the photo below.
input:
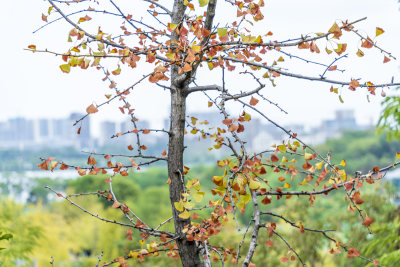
(23, 133)
(34, 87)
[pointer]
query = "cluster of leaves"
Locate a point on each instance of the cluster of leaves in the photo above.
(176, 50)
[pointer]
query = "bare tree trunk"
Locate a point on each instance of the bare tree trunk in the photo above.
(188, 250)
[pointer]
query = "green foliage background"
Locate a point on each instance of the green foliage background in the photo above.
(48, 226)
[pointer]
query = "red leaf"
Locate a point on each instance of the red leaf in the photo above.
(269, 243)
(59, 195)
(274, 158)
(367, 221)
(353, 253)
(284, 259)
(241, 128)
(386, 59)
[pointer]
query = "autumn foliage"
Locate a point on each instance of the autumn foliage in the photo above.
(178, 39)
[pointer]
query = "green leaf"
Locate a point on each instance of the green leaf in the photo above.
(6, 236)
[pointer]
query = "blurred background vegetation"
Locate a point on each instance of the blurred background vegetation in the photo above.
(43, 225)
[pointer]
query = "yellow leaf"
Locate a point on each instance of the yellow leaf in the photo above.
(171, 56)
(117, 71)
(379, 31)
(33, 47)
(245, 198)
(198, 197)
(172, 26)
(327, 50)
(203, 2)
(343, 175)
(76, 49)
(308, 156)
(282, 148)
(343, 163)
(196, 48)
(178, 206)
(254, 185)
(287, 185)
(304, 182)
(133, 254)
(397, 155)
(196, 184)
(194, 120)
(222, 32)
(85, 18)
(319, 165)
(66, 68)
(184, 215)
(53, 164)
(247, 117)
(360, 53)
(188, 205)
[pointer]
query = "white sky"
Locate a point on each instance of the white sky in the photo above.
(33, 86)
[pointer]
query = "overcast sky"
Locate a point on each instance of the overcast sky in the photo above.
(33, 86)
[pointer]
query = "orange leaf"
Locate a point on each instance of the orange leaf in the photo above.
(269, 243)
(284, 259)
(233, 128)
(367, 43)
(353, 85)
(386, 59)
(352, 252)
(91, 109)
(253, 101)
(333, 68)
(85, 18)
(367, 221)
(227, 121)
(116, 204)
(187, 67)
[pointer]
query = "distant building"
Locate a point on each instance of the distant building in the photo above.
(107, 129)
(84, 137)
(344, 120)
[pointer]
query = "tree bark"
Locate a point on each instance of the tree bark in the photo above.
(188, 250)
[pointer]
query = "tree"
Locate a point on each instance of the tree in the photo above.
(178, 40)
